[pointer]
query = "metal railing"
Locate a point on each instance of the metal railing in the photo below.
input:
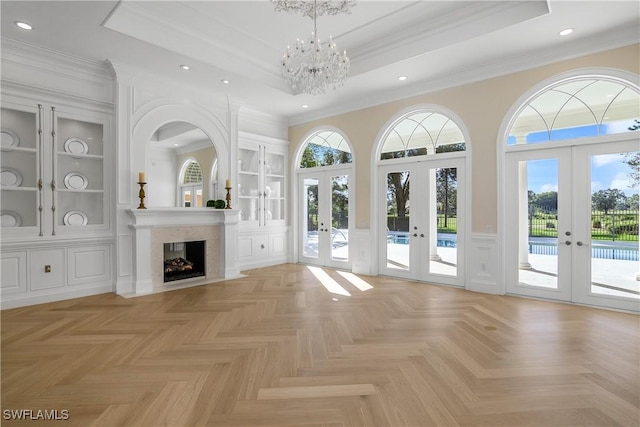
(615, 225)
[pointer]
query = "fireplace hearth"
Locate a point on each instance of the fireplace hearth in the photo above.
(184, 260)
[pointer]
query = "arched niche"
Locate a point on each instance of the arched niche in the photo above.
(175, 119)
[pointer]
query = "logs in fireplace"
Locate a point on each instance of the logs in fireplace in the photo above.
(184, 260)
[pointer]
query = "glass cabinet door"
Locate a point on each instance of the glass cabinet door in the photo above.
(78, 170)
(261, 188)
(274, 190)
(20, 168)
(249, 184)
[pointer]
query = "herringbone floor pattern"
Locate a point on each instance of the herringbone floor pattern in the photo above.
(277, 348)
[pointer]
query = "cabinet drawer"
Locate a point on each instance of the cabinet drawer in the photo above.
(88, 264)
(47, 269)
(14, 272)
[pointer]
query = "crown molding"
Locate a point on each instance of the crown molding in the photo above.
(444, 30)
(56, 62)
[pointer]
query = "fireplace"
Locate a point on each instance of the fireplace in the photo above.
(184, 260)
(153, 227)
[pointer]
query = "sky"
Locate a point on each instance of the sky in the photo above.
(607, 171)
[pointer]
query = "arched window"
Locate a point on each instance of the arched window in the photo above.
(422, 133)
(325, 148)
(578, 108)
(191, 185)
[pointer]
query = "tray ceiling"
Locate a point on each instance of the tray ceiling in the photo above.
(435, 43)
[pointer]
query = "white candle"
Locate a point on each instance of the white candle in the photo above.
(227, 183)
(140, 176)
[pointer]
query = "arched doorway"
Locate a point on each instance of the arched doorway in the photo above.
(421, 172)
(571, 199)
(325, 183)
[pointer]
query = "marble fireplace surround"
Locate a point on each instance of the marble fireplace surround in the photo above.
(154, 227)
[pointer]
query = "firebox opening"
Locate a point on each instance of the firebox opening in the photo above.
(184, 260)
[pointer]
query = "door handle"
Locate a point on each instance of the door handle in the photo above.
(421, 235)
(415, 234)
(579, 243)
(567, 242)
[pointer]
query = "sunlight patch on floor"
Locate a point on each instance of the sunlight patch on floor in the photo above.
(356, 281)
(331, 285)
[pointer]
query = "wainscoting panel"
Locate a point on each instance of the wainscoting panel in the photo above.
(14, 272)
(484, 264)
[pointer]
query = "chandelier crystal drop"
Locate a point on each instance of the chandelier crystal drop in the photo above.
(319, 8)
(312, 66)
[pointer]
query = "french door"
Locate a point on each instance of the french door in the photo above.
(571, 224)
(325, 217)
(422, 220)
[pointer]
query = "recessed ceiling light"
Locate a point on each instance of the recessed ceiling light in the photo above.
(304, 106)
(566, 31)
(23, 25)
(185, 67)
(175, 145)
(225, 81)
(402, 78)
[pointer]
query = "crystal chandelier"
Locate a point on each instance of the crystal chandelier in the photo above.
(312, 66)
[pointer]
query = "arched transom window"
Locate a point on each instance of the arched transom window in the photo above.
(422, 133)
(325, 148)
(192, 173)
(579, 108)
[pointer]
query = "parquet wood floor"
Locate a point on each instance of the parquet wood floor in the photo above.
(278, 349)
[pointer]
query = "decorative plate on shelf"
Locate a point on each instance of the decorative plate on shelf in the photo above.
(8, 138)
(75, 218)
(10, 177)
(269, 216)
(76, 146)
(75, 181)
(10, 219)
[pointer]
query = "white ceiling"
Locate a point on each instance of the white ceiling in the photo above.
(435, 44)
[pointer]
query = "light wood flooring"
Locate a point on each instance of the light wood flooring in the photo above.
(277, 348)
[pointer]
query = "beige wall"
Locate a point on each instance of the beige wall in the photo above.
(482, 106)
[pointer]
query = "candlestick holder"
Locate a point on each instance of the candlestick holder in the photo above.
(141, 195)
(228, 198)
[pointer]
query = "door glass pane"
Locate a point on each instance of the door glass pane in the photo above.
(614, 225)
(186, 198)
(538, 223)
(199, 198)
(398, 220)
(443, 208)
(340, 218)
(310, 218)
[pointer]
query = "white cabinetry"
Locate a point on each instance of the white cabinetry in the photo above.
(55, 198)
(262, 200)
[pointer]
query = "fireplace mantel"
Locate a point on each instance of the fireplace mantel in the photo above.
(150, 224)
